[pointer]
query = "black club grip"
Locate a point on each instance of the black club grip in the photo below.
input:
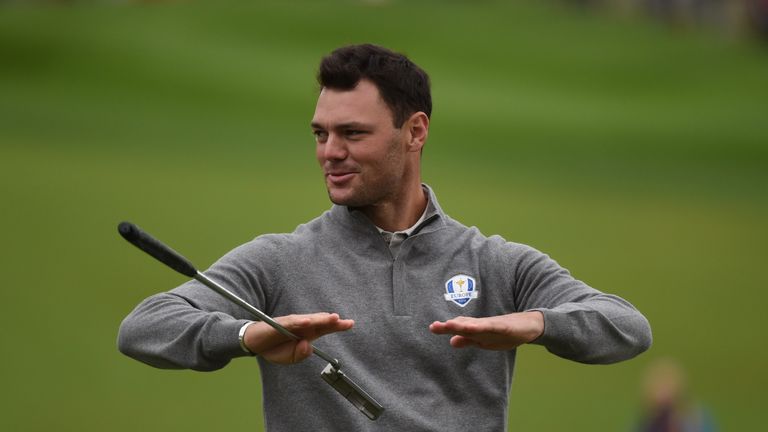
(157, 249)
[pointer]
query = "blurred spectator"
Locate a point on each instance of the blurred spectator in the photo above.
(668, 406)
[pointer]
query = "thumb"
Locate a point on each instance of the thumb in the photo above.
(302, 351)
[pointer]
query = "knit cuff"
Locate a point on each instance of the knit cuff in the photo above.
(222, 341)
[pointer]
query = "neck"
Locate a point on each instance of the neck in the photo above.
(400, 213)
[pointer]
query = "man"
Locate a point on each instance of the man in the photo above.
(398, 270)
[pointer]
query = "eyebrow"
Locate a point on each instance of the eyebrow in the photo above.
(348, 125)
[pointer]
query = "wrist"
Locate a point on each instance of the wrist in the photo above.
(241, 337)
(536, 319)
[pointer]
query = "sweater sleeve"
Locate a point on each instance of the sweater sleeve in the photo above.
(580, 322)
(193, 327)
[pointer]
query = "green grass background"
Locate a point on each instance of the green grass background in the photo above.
(634, 155)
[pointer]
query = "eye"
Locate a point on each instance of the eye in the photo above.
(320, 135)
(354, 133)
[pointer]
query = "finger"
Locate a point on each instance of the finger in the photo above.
(455, 327)
(324, 326)
(313, 326)
(323, 319)
(294, 322)
(302, 351)
(334, 322)
(314, 321)
(437, 327)
(447, 327)
(462, 342)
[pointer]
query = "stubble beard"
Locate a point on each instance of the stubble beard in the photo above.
(370, 193)
(364, 195)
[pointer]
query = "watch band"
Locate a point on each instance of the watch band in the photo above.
(241, 337)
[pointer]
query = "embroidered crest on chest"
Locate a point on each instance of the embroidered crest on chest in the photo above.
(461, 289)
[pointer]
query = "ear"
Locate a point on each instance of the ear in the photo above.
(418, 128)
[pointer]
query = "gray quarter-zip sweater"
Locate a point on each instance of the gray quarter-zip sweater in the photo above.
(339, 262)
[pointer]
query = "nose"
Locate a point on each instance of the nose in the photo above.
(335, 148)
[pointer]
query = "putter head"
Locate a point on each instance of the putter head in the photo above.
(359, 398)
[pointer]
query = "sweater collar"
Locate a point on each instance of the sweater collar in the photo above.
(434, 217)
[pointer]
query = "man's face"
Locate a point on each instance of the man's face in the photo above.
(360, 151)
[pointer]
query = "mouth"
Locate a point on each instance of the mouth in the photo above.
(339, 178)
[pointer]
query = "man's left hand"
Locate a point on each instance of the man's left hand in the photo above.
(502, 332)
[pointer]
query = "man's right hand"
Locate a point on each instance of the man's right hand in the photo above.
(265, 341)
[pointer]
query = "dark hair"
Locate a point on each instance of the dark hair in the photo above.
(403, 85)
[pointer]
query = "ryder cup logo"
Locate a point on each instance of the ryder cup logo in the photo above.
(460, 289)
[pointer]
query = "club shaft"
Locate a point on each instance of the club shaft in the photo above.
(229, 295)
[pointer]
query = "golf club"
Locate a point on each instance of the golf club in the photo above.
(332, 373)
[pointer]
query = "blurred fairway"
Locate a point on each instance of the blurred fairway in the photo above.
(635, 156)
